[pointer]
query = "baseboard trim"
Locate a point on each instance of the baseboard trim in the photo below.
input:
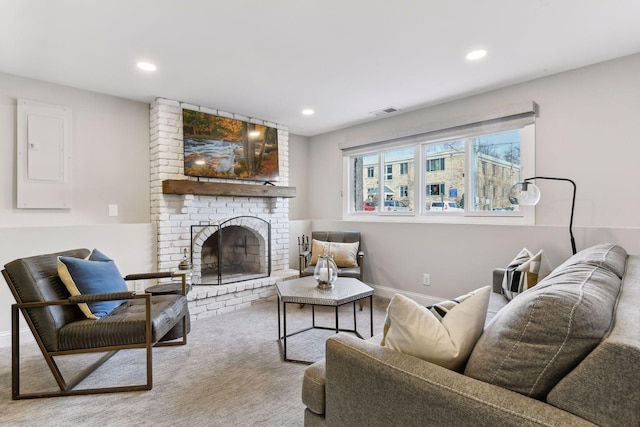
(386, 292)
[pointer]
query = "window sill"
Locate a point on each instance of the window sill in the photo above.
(526, 219)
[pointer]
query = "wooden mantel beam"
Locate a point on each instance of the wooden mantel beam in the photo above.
(184, 186)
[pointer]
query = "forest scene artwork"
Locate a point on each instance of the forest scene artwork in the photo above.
(220, 147)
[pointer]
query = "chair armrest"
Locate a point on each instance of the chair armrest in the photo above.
(146, 276)
(498, 274)
(77, 299)
(367, 384)
(110, 296)
(160, 275)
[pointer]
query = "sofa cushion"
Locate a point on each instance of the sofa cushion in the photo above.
(521, 273)
(606, 255)
(536, 339)
(96, 274)
(344, 254)
(445, 338)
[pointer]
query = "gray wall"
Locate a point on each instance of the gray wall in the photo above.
(586, 130)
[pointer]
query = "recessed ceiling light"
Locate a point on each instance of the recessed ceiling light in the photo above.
(146, 66)
(476, 54)
(308, 112)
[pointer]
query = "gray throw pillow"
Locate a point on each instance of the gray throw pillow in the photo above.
(539, 337)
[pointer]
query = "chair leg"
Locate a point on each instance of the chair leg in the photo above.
(67, 387)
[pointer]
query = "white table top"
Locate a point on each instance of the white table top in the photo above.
(305, 291)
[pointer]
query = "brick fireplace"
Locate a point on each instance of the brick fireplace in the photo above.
(181, 218)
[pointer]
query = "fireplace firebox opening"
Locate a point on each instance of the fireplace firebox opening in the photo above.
(230, 251)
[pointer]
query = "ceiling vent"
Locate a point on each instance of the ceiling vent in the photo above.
(385, 111)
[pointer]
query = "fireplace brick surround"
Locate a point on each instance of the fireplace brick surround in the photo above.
(173, 215)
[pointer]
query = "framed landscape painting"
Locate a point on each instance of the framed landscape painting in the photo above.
(220, 147)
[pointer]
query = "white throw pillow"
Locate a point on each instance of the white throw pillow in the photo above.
(413, 329)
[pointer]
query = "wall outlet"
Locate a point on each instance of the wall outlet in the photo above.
(426, 279)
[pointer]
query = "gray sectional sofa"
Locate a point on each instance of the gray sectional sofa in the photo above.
(564, 353)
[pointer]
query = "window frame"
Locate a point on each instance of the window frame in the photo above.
(523, 121)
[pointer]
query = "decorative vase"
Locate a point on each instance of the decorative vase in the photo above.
(326, 271)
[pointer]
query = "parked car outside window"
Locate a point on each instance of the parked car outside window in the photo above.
(389, 205)
(445, 206)
(395, 206)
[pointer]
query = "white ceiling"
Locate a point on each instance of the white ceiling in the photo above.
(269, 59)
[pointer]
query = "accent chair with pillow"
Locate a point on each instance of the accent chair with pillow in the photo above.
(345, 246)
(565, 352)
(76, 302)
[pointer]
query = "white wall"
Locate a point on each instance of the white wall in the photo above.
(298, 176)
(299, 223)
(132, 247)
(110, 156)
(586, 130)
(110, 166)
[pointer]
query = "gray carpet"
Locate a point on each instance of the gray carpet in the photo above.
(229, 374)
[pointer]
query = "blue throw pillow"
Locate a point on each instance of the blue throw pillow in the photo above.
(96, 274)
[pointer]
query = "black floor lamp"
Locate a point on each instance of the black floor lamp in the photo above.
(530, 195)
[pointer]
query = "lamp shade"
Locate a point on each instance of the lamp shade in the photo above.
(525, 194)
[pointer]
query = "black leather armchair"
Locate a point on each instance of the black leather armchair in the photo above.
(61, 329)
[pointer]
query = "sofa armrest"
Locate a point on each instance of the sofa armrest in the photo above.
(367, 384)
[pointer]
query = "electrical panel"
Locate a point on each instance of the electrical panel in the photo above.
(44, 157)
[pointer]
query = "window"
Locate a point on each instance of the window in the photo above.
(365, 182)
(370, 172)
(396, 187)
(435, 190)
(470, 169)
(435, 165)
